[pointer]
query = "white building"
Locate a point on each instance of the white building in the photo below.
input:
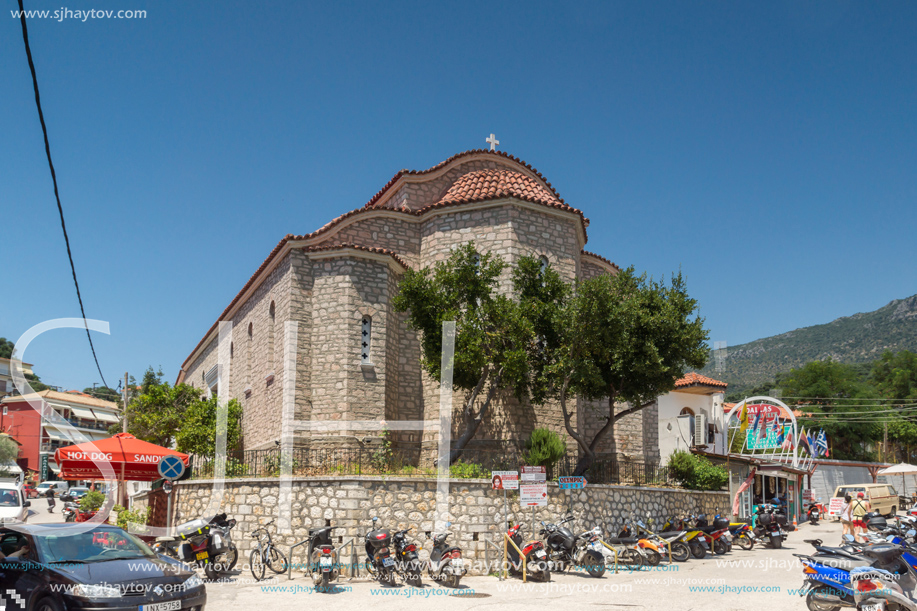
(691, 416)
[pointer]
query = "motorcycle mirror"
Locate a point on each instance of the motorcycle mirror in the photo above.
(911, 533)
(849, 538)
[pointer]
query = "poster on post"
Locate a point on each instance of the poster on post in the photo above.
(533, 474)
(533, 495)
(504, 480)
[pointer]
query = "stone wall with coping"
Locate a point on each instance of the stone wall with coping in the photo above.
(476, 511)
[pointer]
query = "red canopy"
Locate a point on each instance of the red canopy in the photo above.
(130, 458)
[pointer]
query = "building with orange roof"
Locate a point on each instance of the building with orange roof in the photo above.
(690, 416)
(314, 333)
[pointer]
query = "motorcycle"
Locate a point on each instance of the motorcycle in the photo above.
(769, 522)
(406, 560)
(70, 511)
(672, 543)
(566, 549)
(742, 535)
(697, 540)
(878, 590)
(206, 543)
(446, 562)
(533, 552)
(323, 558)
(379, 560)
(815, 511)
(647, 548)
(719, 537)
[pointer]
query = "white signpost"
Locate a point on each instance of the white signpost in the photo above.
(504, 480)
(533, 490)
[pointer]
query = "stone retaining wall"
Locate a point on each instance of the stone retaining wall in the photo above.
(476, 510)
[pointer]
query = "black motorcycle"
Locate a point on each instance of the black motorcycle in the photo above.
(207, 543)
(769, 521)
(536, 558)
(407, 561)
(379, 560)
(446, 562)
(323, 558)
(69, 511)
(566, 549)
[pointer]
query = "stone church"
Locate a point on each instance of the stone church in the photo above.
(316, 318)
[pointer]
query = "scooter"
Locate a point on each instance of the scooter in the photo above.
(720, 538)
(878, 590)
(69, 511)
(407, 562)
(379, 560)
(536, 559)
(768, 525)
(674, 542)
(446, 562)
(742, 535)
(698, 541)
(650, 550)
(814, 512)
(323, 558)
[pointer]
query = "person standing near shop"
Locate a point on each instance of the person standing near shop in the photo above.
(860, 507)
(846, 518)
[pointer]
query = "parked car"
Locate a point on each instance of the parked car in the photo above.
(74, 494)
(93, 569)
(13, 505)
(29, 491)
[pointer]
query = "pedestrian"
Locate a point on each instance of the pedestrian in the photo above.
(860, 507)
(846, 519)
(51, 500)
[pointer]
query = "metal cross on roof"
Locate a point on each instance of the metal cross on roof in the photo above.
(492, 141)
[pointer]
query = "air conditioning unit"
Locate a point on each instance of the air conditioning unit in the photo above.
(700, 430)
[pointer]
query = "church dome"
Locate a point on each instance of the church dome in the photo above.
(490, 184)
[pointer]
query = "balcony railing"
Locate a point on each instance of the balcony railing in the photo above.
(87, 424)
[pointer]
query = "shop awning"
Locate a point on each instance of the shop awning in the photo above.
(122, 456)
(105, 416)
(55, 434)
(83, 412)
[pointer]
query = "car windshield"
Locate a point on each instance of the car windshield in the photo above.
(97, 545)
(851, 490)
(9, 498)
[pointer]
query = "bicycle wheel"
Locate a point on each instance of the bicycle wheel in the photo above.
(276, 561)
(256, 562)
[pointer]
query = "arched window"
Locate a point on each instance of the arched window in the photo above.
(687, 412)
(544, 264)
(366, 340)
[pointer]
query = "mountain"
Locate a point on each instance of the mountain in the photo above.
(860, 338)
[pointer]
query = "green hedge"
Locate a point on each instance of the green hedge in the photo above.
(696, 472)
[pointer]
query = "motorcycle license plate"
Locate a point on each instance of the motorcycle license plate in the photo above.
(201, 556)
(172, 605)
(458, 563)
(877, 606)
(540, 554)
(388, 562)
(326, 561)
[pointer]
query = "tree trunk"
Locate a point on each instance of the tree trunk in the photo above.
(588, 458)
(473, 420)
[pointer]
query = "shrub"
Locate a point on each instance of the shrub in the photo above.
(137, 517)
(91, 501)
(696, 472)
(468, 470)
(543, 449)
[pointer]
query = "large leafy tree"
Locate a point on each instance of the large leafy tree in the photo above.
(833, 396)
(178, 415)
(493, 339)
(620, 338)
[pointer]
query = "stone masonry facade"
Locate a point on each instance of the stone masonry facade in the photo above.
(476, 511)
(296, 343)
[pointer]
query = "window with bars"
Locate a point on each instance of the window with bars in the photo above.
(366, 340)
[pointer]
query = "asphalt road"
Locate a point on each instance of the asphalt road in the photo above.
(762, 579)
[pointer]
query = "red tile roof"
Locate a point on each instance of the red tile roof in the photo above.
(696, 378)
(350, 246)
(601, 258)
(489, 184)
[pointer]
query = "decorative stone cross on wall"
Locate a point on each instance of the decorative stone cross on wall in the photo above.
(492, 141)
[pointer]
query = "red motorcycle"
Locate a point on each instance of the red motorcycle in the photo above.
(815, 511)
(536, 559)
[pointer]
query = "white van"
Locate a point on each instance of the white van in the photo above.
(59, 488)
(13, 506)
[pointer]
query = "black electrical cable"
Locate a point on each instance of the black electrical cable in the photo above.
(44, 130)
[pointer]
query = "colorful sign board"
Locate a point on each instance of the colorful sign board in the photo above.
(573, 482)
(808, 495)
(754, 441)
(171, 467)
(44, 471)
(533, 495)
(836, 506)
(533, 474)
(504, 480)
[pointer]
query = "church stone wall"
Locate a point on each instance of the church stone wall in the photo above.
(399, 235)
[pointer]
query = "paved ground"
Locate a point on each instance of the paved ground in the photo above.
(762, 579)
(38, 511)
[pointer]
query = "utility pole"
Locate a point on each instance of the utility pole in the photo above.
(124, 411)
(885, 443)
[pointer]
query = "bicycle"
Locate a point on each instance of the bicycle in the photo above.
(266, 554)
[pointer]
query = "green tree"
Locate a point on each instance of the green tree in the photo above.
(895, 376)
(696, 472)
(9, 452)
(6, 348)
(833, 396)
(544, 448)
(622, 338)
(492, 340)
(165, 415)
(105, 393)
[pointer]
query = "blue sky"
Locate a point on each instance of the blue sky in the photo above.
(765, 149)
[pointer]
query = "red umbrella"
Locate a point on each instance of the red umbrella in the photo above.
(130, 458)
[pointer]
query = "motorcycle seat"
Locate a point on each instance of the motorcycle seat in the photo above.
(671, 533)
(622, 540)
(838, 562)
